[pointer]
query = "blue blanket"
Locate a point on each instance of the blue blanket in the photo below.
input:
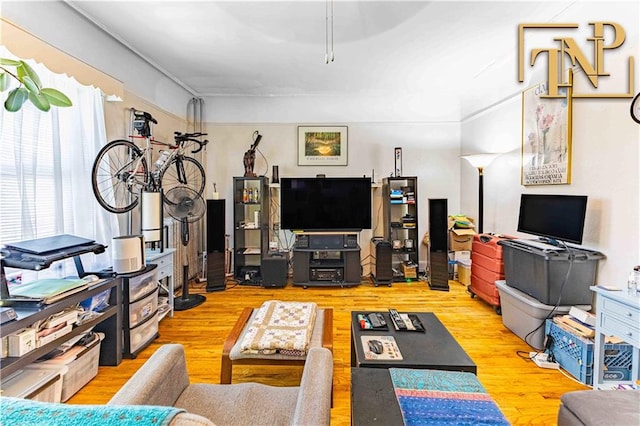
(25, 412)
(431, 397)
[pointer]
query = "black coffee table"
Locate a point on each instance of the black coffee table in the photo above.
(373, 400)
(434, 349)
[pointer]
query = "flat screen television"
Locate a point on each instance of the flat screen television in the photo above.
(553, 217)
(325, 203)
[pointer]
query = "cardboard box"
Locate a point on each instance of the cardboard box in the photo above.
(461, 232)
(461, 239)
(409, 271)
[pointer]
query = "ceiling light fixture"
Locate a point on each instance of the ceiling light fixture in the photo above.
(328, 30)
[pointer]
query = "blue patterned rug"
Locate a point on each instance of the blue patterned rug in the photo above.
(432, 397)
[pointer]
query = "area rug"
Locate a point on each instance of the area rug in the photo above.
(433, 397)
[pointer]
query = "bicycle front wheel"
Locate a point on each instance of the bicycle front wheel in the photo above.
(119, 174)
(183, 171)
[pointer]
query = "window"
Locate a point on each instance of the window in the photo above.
(45, 169)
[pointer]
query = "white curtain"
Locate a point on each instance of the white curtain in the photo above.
(45, 170)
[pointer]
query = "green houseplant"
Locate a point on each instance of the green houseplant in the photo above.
(29, 88)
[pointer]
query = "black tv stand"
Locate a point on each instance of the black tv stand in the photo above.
(326, 259)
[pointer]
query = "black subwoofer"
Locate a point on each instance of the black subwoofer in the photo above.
(381, 269)
(274, 271)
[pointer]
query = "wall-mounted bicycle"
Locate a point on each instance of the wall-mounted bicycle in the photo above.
(121, 169)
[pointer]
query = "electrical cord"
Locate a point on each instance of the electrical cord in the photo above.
(571, 257)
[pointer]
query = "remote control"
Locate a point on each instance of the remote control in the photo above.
(376, 320)
(398, 323)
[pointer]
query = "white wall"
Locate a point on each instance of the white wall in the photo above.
(61, 27)
(605, 159)
(430, 152)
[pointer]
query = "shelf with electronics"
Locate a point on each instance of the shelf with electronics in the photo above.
(251, 227)
(400, 220)
(28, 314)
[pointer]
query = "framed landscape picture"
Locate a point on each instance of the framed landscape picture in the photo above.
(546, 137)
(322, 145)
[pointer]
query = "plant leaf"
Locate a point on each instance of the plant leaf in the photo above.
(9, 62)
(40, 101)
(17, 97)
(56, 97)
(4, 81)
(30, 85)
(24, 69)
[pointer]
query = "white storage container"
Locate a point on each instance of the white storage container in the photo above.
(142, 334)
(143, 309)
(37, 383)
(142, 284)
(79, 370)
(526, 316)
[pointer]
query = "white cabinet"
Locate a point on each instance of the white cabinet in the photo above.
(618, 315)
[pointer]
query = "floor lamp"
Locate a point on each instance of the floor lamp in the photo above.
(480, 161)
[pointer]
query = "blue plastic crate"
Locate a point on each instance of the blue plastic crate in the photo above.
(575, 354)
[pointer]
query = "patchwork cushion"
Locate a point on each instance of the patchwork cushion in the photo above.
(315, 342)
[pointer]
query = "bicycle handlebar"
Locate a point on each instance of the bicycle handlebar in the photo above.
(181, 138)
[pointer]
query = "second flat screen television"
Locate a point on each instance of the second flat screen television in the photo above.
(325, 204)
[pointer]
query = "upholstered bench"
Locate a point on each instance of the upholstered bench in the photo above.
(599, 407)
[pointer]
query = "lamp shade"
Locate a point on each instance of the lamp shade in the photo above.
(480, 161)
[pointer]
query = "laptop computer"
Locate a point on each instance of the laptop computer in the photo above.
(48, 244)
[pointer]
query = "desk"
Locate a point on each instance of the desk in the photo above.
(617, 314)
(164, 260)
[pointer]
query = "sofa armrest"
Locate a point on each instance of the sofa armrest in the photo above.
(160, 381)
(313, 406)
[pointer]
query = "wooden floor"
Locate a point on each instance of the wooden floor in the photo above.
(526, 394)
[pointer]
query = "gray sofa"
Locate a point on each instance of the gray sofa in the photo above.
(163, 381)
(599, 407)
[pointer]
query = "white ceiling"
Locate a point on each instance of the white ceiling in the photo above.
(381, 48)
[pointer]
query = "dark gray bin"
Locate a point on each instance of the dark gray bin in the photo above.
(540, 272)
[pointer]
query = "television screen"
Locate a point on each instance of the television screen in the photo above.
(556, 217)
(325, 204)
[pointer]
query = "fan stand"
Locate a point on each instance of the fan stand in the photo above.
(186, 301)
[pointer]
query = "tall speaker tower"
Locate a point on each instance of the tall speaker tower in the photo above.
(215, 245)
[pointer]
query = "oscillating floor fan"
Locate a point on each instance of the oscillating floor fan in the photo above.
(185, 205)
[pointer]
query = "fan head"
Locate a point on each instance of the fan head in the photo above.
(185, 204)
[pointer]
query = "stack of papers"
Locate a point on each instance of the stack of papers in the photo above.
(48, 290)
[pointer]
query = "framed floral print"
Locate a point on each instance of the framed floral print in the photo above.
(546, 137)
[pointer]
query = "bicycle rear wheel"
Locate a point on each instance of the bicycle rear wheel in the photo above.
(119, 174)
(183, 171)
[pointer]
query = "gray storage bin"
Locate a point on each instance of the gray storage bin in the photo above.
(525, 316)
(540, 273)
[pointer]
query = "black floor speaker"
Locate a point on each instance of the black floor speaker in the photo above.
(381, 268)
(438, 245)
(274, 271)
(216, 280)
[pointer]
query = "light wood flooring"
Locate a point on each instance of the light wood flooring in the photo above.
(526, 394)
